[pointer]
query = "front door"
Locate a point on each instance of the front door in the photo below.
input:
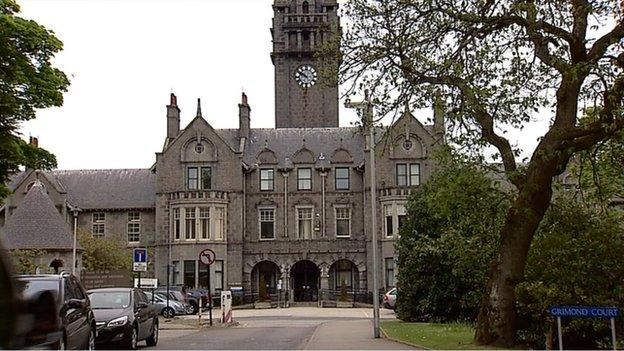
(305, 278)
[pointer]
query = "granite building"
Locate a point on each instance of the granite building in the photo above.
(289, 204)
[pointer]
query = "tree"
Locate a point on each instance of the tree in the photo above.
(497, 64)
(103, 253)
(28, 81)
(24, 260)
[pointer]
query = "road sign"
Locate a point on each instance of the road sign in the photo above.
(139, 255)
(146, 283)
(584, 311)
(207, 257)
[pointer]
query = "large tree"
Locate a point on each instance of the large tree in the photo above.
(497, 64)
(28, 81)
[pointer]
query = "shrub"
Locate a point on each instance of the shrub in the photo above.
(343, 292)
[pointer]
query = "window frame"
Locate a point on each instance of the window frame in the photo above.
(200, 218)
(300, 178)
(260, 221)
(405, 179)
(219, 233)
(187, 219)
(176, 227)
(262, 180)
(336, 178)
(98, 223)
(299, 219)
(394, 214)
(387, 270)
(336, 219)
(199, 179)
(133, 222)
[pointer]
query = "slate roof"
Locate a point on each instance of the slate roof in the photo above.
(109, 188)
(37, 224)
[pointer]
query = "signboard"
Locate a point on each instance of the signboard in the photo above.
(106, 279)
(226, 306)
(279, 284)
(146, 283)
(139, 255)
(584, 311)
(207, 257)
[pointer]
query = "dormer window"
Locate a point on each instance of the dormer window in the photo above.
(199, 178)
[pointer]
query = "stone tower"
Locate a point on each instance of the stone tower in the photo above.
(302, 98)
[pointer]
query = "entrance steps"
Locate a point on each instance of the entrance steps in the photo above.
(304, 304)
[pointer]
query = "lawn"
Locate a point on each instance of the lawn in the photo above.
(451, 336)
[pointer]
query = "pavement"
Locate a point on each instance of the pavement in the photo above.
(295, 328)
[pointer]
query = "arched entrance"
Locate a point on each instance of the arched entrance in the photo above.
(266, 272)
(344, 271)
(304, 277)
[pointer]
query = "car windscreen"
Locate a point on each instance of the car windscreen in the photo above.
(109, 299)
(29, 288)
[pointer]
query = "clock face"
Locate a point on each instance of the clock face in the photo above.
(306, 76)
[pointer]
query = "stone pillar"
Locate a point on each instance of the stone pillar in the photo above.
(285, 276)
(299, 41)
(362, 277)
(312, 40)
(324, 286)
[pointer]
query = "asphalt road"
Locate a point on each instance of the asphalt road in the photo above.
(284, 329)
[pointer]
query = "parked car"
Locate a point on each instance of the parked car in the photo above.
(181, 294)
(56, 313)
(168, 311)
(124, 315)
(176, 296)
(389, 299)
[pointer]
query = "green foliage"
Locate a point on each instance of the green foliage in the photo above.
(103, 253)
(28, 81)
(344, 297)
(24, 260)
(263, 294)
(575, 260)
(447, 242)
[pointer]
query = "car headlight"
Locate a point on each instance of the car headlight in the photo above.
(118, 321)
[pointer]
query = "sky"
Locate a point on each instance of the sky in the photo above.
(124, 58)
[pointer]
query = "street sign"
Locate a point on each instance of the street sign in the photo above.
(106, 279)
(146, 283)
(207, 257)
(139, 255)
(584, 311)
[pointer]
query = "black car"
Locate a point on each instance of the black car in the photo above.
(54, 312)
(124, 315)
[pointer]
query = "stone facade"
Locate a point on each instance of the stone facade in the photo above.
(289, 206)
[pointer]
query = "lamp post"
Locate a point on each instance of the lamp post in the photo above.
(75, 211)
(366, 109)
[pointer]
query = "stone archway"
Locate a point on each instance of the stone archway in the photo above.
(267, 271)
(304, 276)
(344, 270)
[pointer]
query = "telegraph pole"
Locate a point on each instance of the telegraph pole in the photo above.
(366, 109)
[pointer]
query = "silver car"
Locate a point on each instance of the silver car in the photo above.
(389, 299)
(167, 311)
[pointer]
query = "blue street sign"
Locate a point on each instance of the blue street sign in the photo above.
(584, 311)
(140, 255)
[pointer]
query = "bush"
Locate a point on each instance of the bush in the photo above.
(343, 292)
(103, 253)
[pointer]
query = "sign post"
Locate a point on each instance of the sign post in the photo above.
(139, 258)
(208, 257)
(584, 312)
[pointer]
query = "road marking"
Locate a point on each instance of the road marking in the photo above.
(365, 314)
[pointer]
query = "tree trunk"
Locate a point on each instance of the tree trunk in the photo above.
(496, 322)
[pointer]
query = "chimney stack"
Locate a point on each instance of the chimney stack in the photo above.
(244, 112)
(34, 141)
(173, 117)
(438, 115)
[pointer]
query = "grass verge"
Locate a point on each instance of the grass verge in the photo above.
(437, 336)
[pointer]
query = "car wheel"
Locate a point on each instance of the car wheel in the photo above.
(133, 339)
(153, 339)
(91, 341)
(195, 308)
(168, 312)
(61, 344)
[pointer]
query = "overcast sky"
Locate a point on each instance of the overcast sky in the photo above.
(124, 57)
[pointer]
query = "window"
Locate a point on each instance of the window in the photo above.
(204, 222)
(344, 273)
(134, 227)
(400, 217)
(395, 215)
(266, 179)
(267, 223)
(389, 272)
(304, 223)
(342, 178)
(189, 215)
(176, 223)
(305, 7)
(203, 275)
(218, 282)
(219, 224)
(343, 222)
(389, 228)
(98, 226)
(408, 174)
(175, 273)
(304, 178)
(189, 274)
(192, 178)
(199, 178)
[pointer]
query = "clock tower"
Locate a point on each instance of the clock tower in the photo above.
(302, 98)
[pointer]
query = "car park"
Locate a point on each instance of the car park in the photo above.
(167, 309)
(55, 312)
(125, 316)
(389, 299)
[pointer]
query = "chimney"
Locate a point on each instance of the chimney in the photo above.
(34, 141)
(173, 117)
(438, 115)
(243, 117)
